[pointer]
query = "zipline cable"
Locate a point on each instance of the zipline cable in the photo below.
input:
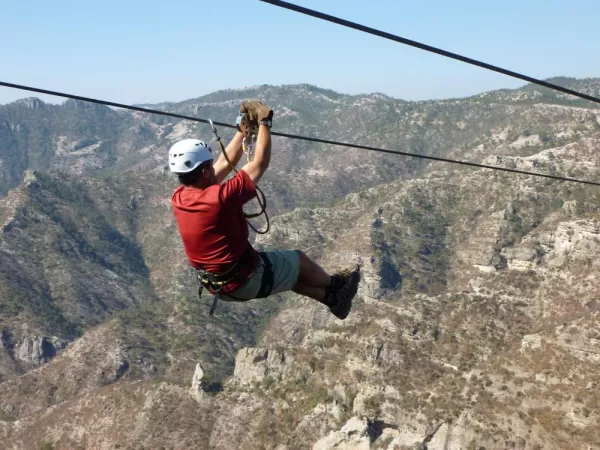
(304, 138)
(107, 103)
(383, 34)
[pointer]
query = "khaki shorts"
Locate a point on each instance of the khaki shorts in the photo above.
(286, 267)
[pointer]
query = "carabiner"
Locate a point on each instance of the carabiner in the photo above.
(212, 126)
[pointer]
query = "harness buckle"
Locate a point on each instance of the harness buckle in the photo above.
(203, 281)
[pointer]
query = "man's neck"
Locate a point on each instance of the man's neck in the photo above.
(198, 185)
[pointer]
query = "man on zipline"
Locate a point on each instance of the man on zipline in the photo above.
(212, 226)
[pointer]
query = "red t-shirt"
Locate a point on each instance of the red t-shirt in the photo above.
(212, 225)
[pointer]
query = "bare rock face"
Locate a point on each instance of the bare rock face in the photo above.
(256, 363)
(196, 389)
(578, 239)
(115, 364)
(95, 360)
(360, 433)
(354, 435)
(31, 102)
(30, 178)
(38, 349)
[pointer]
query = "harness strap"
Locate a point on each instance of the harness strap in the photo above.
(268, 278)
(218, 280)
(214, 304)
(266, 284)
(215, 282)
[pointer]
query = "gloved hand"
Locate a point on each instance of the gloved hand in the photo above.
(250, 113)
(256, 110)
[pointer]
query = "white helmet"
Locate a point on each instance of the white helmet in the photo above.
(186, 155)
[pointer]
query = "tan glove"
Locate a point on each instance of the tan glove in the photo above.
(250, 113)
(247, 121)
(257, 110)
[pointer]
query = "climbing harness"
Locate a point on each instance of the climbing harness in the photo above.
(215, 282)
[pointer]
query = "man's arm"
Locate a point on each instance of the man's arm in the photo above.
(234, 152)
(262, 155)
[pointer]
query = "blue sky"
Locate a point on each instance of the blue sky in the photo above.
(134, 51)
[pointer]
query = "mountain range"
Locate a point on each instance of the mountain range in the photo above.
(475, 325)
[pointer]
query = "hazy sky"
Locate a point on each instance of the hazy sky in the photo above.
(134, 51)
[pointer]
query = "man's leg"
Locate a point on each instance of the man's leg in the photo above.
(295, 271)
(335, 291)
(312, 279)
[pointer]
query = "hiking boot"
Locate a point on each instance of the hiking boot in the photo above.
(340, 278)
(343, 297)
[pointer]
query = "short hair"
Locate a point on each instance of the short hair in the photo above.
(189, 178)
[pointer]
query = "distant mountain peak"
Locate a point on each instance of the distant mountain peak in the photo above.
(30, 102)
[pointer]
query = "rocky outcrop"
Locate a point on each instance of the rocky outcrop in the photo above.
(30, 178)
(31, 102)
(252, 364)
(97, 359)
(531, 341)
(572, 240)
(196, 389)
(354, 435)
(363, 434)
(134, 201)
(38, 349)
